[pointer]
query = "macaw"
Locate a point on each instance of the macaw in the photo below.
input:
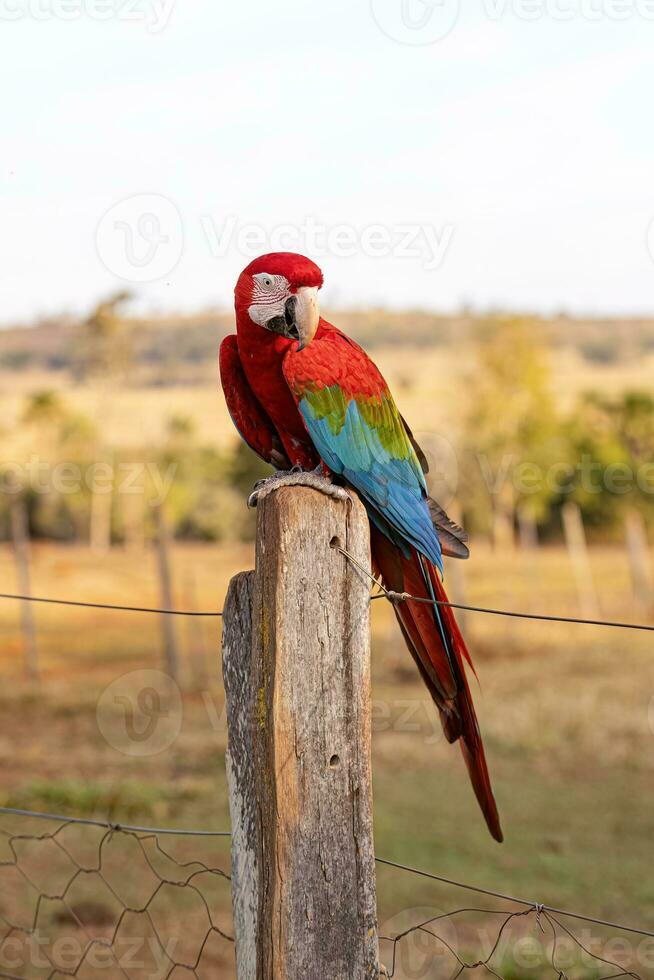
(308, 400)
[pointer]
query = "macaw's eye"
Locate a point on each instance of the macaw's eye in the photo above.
(269, 287)
(264, 280)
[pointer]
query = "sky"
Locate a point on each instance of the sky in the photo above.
(426, 153)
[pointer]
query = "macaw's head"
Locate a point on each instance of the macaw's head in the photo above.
(279, 292)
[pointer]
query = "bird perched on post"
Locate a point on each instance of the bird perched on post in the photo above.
(309, 401)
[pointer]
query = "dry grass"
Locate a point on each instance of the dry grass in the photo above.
(564, 711)
(430, 388)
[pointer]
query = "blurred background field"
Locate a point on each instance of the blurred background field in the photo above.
(566, 711)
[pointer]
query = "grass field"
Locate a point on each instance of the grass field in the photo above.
(566, 713)
(430, 387)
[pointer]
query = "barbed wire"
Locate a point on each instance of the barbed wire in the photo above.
(67, 906)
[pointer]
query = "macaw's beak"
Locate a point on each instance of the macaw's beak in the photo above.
(301, 317)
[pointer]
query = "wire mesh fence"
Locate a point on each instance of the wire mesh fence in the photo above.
(508, 938)
(510, 945)
(384, 594)
(84, 898)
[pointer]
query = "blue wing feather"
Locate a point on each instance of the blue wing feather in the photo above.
(393, 488)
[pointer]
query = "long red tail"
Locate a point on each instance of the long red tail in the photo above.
(436, 644)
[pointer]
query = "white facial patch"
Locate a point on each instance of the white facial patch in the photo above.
(268, 297)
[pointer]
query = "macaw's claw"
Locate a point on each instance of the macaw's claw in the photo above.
(296, 477)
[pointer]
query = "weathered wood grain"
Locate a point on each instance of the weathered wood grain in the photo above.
(297, 676)
(639, 564)
(239, 760)
(311, 663)
(575, 539)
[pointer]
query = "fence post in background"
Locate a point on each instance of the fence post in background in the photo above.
(641, 574)
(133, 521)
(527, 530)
(20, 539)
(528, 538)
(297, 675)
(503, 534)
(575, 539)
(100, 521)
(166, 593)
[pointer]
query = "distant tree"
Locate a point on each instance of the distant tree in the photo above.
(510, 424)
(207, 490)
(63, 444)
(44, 407)
(79, 433)
(53, 423)
(180, 428)
(245, 468)
(104, 345)
(44, 416)
(612, 438)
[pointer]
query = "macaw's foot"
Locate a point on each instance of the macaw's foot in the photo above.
(296, 477)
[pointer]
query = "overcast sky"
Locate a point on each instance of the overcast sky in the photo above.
(425, 156)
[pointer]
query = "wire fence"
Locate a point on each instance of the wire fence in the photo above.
(107, 605)
(389, 594)
(91, 897)
(394, 597)
(529, 944)
(513, 939)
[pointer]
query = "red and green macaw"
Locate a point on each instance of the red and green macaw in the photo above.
(306, 397)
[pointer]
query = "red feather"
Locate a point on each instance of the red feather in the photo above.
(444, 675)
(265, 412)
(337, 360)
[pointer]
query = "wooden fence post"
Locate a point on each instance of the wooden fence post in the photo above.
(527, 530)
(166, 593)
(297, 676)
(639, 565)
(530, 562)
(100, 518)
(575, 537)
(20, 538)
(133, 517)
